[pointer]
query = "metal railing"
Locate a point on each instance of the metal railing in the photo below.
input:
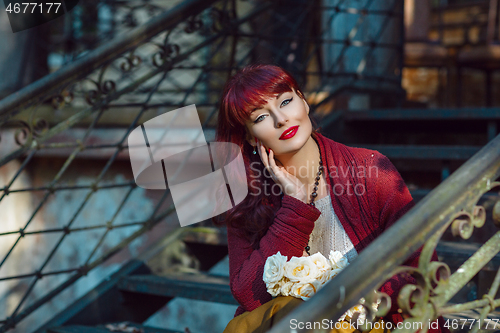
(456, 203)
(93, 23)
(180, 57)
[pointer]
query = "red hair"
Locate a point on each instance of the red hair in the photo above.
(248, 89)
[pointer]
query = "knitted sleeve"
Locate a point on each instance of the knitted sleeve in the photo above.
(288, 234)
(393, 200)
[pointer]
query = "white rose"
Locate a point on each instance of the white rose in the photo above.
(273, 269)
(356, 309)
(274, 289)
(303, 290)
(321, 280)
(337, 260)
(333, 273)
(321, 262)
(286, 287)
(375, 305)
(301, 269)
(342, 263)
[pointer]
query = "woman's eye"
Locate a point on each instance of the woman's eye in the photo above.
(286, 101)
(259, 118)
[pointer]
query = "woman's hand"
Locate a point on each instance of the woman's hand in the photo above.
(289, 184)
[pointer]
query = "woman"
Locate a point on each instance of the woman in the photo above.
(307, 193)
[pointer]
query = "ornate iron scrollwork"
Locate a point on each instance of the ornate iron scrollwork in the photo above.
(425, 301)
(193, 24)
(166, 54)
(27, 130)
(103, 87)
(130, 61)
(65, 97)
(383, 302)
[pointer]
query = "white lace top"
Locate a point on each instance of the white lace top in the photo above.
(329, 234)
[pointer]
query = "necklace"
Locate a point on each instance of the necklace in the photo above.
(316, 183)
(314, 193)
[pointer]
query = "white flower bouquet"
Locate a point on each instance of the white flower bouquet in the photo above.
(302, 277)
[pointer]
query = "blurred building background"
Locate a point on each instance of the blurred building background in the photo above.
(450, 53)
(75, 87)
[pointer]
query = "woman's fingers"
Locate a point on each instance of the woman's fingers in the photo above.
(263, 155)
(266, 160)
(289, 183)
(272, 164)
(269, 162)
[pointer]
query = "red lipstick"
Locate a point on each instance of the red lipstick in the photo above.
(289, 133)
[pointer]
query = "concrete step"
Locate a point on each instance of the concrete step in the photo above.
(422, 152)
(203, 287)
(423, 114)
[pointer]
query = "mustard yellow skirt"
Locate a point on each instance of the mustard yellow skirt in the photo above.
(265, 316)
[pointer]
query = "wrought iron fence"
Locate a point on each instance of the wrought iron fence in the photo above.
(180, 57)
(93, 23)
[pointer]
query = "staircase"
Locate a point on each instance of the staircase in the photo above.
(425, 145)
(133, 294)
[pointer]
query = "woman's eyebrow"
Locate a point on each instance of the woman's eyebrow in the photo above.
(260, 106)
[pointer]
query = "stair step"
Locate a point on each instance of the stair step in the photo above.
(194, 286)
(423, 152)
(95, 329)
(423, 114)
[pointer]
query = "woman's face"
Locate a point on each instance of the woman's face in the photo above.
(282, 124)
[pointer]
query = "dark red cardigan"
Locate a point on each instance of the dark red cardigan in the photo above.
(383, 198)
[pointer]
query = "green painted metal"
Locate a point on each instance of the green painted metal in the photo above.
(467, 306)
(467, 271)
(457, 253)
(492, 304)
